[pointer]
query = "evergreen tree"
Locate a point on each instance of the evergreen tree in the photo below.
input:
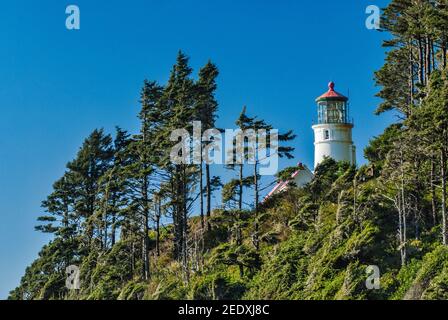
(206, 107)
(92, 161)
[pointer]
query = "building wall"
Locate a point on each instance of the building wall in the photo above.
(303, 177)
(334, 141)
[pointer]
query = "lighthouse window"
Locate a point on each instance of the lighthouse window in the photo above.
(326, 135)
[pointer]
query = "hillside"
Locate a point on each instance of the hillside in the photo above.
(309, 251)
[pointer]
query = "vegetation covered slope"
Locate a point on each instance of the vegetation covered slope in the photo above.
(313, 247)
(125, 215)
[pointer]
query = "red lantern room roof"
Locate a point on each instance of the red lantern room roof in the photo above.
(331, 95)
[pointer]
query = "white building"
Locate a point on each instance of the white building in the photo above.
(300, 178)
(332, 137)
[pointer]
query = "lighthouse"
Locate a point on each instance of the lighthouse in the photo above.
(333, 131)
(332, 138)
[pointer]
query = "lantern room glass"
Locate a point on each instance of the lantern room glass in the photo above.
(332, 112)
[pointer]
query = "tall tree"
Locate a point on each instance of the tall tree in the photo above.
(140, 172)
(92, 161)
(206, 107)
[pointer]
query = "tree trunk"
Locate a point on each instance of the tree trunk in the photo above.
(145, 230)
(444, 46)
(428, 58)
(201, 187)
(184, 224)
(355, 188)
(400, 231)
(433, 56)
(177, 214)
(113, 230)
(209, 195)
(433, 192)
(404, 235)
(421, 62)
(411, 81)
(105, 229)
(66, 223)
(158, 215)
(133, 256)
(239, 235)
(256, 224)
(240, 191)
(443, 177)
(403, 213)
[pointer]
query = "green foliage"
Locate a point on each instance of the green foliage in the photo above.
(400, 283)
(430, 282)
(217, 286)
(133, 290)
(236, 255)
(283, 273)
(379, 147)
(111, 272)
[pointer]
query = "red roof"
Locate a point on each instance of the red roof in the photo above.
(283, 184)
(331, 94)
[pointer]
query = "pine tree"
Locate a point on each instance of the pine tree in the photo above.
(206, 107)
(178, 105)
(112, 187)
(62, 221)
(92, 161)
(140, 172)
(431, 125)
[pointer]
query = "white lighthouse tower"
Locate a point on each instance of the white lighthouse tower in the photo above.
(333, 131)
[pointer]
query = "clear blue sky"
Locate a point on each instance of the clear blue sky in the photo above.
(56, 85)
